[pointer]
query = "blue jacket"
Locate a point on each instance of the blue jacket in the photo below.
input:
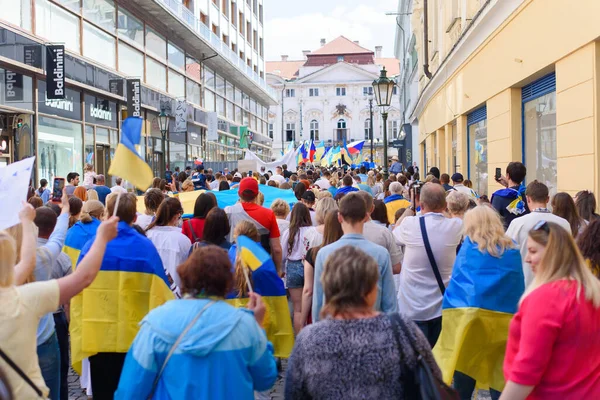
(225, 355)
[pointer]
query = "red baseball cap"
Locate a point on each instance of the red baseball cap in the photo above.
(250, 184)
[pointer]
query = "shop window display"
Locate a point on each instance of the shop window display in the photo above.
(59, 148)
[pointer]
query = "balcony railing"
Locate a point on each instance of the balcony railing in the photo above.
(221, 47)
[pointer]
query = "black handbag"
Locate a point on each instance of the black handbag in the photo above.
(420, 383)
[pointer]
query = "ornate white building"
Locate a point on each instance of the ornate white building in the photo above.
(326, 96)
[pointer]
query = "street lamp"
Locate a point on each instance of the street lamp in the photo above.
(371, 126)
(163, 126)
(383, 88)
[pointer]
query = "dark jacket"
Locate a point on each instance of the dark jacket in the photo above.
(502, 199)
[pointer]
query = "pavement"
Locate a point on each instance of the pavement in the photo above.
(277, 392)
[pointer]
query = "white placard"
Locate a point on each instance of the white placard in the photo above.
(14, 182)
(212, 122)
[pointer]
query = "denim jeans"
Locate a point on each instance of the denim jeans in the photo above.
(49, 360)
(465, 385)
(62, 333)
(431, 329)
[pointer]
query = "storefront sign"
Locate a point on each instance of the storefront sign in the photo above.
(134, 98)
(13, 86)
(69, 107)
(55, 72)
(212, 122)
(116, 86)
(194, 135)
(181, 116)
(32, 55)
(100, 111)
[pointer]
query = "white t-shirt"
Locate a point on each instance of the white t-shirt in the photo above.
(143, 220)
(323, 184)
(214, 185)
(173, 248)
(283, 225)
(297, 252)
(419, 296)
(277, 178)
(463, 189)
(118, 189)
(519, 230)
(22, 308)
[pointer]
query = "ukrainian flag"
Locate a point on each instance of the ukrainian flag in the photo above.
(320, 151)
(77, 236)
(127, 163)
(131, 282)
(479, 303)
(266, 282)
(347, 158)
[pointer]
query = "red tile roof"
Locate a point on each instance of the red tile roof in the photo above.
(392, 65)
(285, 69)
(340, 45)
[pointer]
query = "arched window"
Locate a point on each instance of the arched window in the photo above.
(341, 124)
(367, 129)
(314, 129)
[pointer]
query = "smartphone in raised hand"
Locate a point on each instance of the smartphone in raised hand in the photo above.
(498, 174)
(57, 189)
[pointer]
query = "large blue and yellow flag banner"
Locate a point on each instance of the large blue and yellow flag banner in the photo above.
(130, 283)
(127, 163)
(479, 303)
(266, 282)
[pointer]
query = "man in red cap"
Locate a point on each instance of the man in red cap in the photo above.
(263, 218)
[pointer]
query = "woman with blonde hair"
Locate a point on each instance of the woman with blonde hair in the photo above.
(552, 349)
(281, 209)
(314, 236)
(23, 306)
(92, 194)
(240, 288)
(332, 231)
(484, 290)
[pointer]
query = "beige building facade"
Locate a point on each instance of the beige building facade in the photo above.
(511, 80)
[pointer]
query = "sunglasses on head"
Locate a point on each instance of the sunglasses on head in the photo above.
(543, 225)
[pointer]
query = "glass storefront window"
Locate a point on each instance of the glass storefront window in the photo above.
(209, 78)
(540, 140)
(229, 91)
(192, 68)
(478, 163)
(238, 97)
(101, 12)
(193, 92)
(131, 61)
(454, 166)
(176, 57)
(156, 74)
(221, 106)
(98, 46)
(102, 136)
(177, 155)
(17, 12)
(176, 84)
(89, 144)
(230, 110)
(59, 148)
(130, 28)
(48, 17)
(156, 44)
(18, 97)
(220, 86)
(209, 100)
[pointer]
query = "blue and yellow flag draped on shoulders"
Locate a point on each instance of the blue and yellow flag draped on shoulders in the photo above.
(479, 303)
(127, 163)
(266, 282)
(77, 236)
(130, 283)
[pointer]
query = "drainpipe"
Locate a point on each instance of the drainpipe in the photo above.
(426, 41)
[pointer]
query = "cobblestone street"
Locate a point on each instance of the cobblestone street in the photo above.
(277, 393)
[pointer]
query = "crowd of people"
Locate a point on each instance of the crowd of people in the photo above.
(385, 275)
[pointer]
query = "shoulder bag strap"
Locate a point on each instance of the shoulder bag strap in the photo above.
(434, 266)
(192, 230)
(21, 373)
(174, 347)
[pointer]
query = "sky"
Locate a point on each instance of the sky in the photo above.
(292, 26)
